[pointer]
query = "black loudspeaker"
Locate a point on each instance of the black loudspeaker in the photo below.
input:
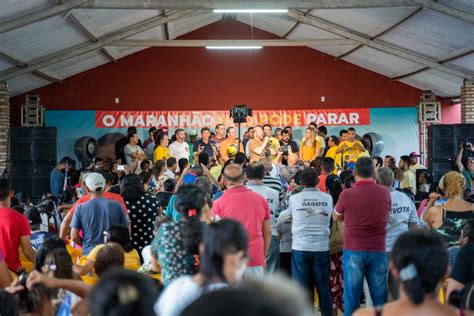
(33, 156)
(441, 139)
(31, 178)
(37, 145)
(444, 142)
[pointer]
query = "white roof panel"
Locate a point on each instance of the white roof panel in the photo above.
(78, 64)
(276, 24)
(25, 83)
(466, 5)
(192, 22)
(43, 38)
(12, 9)
(5, 64)
(465, 63)
(370, 21)
(441, 83)
(381, 62)
(432, 34)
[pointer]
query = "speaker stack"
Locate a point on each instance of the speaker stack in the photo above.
(444, 143)
(33, 156)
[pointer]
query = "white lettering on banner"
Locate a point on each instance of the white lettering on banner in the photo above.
(161, 121)
(332, 117)
(354, 118)
(184, 120)
(108, 120)
(125, 122)
(139, 122)
(343, 119)
(310, 118)
(173, 120)
(150, 120)
(196, 120)
(207, 120)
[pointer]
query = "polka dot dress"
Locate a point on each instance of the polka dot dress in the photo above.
(142, 212)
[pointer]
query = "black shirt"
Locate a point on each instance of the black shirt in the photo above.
(463, 271)
(207, 148)
(292, 144)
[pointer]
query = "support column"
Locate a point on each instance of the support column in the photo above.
(4, 127)
(467, 101)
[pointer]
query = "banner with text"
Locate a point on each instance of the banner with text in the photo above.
(193, 119)
(397, 127)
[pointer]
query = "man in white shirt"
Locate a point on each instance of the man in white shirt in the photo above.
(134, 154)
(255, 173)
(402, 217)
(179, 148)
(311, 211)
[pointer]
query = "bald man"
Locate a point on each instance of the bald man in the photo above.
(258, 144)
(251, 210)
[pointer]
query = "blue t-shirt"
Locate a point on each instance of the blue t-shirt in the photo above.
(94, 217)
(56, 181)
(38, 238)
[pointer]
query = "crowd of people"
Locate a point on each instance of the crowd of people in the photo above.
(216, 225)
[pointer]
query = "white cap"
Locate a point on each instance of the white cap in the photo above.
(95, 181)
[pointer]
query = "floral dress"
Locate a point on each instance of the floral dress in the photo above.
(142, 212)
(175, 260)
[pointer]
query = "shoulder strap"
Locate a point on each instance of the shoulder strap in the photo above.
(444, 211)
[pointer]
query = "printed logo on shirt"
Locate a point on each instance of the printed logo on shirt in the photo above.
(399, 209)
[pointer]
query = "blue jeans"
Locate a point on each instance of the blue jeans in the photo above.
(314, 266)
(356, 266)
(273, 258)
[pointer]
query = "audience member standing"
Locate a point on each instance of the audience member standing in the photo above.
(121, 143)
(251, 210)
(365, 209)
(14, 231)
(466, 166)
(161, 151)
(178, 241)
(255, 173)
(57, 176)
(350, 148)
(402, 217)
(230, 141)
(143, 210)
(311, 213)
(220, 134)
(95, 216)
(409, 180)
(310, 148)
(205, 144)
(149, 144)
(333, 143)
(134, 154)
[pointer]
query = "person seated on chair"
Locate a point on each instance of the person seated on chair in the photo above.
(117, 234)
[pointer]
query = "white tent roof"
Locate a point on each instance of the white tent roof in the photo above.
(423, 43)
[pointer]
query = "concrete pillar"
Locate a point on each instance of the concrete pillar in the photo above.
(4, 126)
(467, 102)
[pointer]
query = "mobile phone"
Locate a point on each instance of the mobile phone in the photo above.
(120, 167)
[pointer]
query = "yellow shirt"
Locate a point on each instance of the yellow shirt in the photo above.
(308, 152)
(336, 157)
(409, 181)
(160, 153)
(352, 152)
(320, 140)
(131, 257)
(225, 145)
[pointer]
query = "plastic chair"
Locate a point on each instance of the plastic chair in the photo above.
(26, 264)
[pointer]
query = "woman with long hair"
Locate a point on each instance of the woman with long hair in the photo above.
(223, 261)
(448, 218)
(161, 147)
(143, 210)
(310, 147)
(178, 241)
(420, 262)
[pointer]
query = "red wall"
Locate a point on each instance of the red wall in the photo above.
(199, 79)
(450, 113)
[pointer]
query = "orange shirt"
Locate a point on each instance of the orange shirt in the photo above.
(225, 145)
(107, 195)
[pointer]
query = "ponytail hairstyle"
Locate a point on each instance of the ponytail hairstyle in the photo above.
(421, 260)
(189, 202)
(220, 239)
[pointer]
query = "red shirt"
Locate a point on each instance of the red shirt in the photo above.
(322, 182)
(107, 195)
(13, 225)
(251, 210)
(366, 208)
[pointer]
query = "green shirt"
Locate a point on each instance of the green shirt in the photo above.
(469, 177)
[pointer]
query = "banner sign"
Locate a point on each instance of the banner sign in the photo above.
(194, 119)
(397, 128)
